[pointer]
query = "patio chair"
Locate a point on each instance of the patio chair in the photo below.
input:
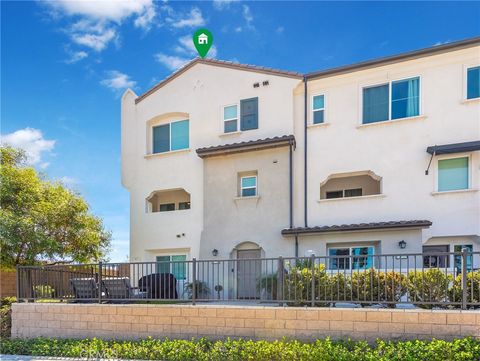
(159, 286)
(120, 289)
(84, 288)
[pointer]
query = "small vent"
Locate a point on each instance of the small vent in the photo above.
(256, 85)
(265, 83)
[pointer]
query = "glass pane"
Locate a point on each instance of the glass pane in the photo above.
(249, 192)
(362, 262)
(249, 182)
(473, 83)
(357, 192)
(163, 264)
(180, 135)
(458, 258)
(318, 117)
(230, 126)
(230, 112)
(452, 174)
(161, 138)
(167, 207)
(179, 266)
(405, 98)
(339, 263)
(184, 205)
(318, 102)
(436, 260)
(375, 104)
(334, 194)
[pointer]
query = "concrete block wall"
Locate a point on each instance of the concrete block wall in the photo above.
(111, 321)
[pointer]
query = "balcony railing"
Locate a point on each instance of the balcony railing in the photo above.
(448, 280)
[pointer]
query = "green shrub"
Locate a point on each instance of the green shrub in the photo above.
(473, 288)
(6, 316)
(267, 286)
(377, 286)
(431, 285)
(467, 349)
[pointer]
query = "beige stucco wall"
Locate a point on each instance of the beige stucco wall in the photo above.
(185, 321)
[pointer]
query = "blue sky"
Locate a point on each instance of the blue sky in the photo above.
(65, 64)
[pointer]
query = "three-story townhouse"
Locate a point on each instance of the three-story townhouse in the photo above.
(236, 161)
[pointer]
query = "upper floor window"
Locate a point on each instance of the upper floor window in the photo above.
(248, 116)
(453, 174)
(318, 106)
(394, 100)
(171, 136)
(473, 82)
(248, 186)
(230, 118)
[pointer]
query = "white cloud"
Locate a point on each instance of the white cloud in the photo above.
(247, 15)
(118, 81)
(76, 56)
(441, 42)
(97, 22)
(238, 29)
(187, 47)
(193, 19)
(69, 180)
(222, 4)
(280, 30)
(32, 142)
(172, 62)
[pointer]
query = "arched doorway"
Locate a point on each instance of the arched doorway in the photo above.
(248, 265)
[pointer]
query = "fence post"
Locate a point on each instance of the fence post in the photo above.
(194, 280)
(312, 258)
(464, 279)
(280, 274)
(18, 282)
(100, 265)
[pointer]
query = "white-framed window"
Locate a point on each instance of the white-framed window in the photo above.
(472, 82)
(230, 118)
(318, 109)
(453, 173)
(340, 258)
(171, 136)
(391, 100)
(344, 193)
(175, 264)
(248, 186)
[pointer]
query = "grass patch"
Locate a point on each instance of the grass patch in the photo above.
(466, 349)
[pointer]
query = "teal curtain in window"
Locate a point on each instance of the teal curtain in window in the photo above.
(405, 98)
(179, 266)
(375, 104)
(180, 135)
(161, 138)
(318, 102)
(452, 174)
(163, 264)
(458, 258)
(366, 261)
(473, 82)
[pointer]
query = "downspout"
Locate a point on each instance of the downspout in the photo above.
(305, 151)
(296, 245)
(292, 146)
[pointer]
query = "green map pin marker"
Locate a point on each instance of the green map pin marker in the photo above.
(203, 40)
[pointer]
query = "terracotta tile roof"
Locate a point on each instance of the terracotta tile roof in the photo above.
(247, 146)
(221, 63)
(358, 227)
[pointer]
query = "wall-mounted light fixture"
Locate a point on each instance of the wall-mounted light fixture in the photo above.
(402, 244)
(214, 252)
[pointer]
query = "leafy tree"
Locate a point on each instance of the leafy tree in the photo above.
(41, 220)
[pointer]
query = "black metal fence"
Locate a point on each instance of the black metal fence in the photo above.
(447, 279)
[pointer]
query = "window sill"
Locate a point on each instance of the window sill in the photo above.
(251, 199)
(350, 198)
(392, 121)
(154, 155)
(470, 190)
(469, 101)
(230, 133)
(319, 125)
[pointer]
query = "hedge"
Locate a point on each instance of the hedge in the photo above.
(467, 349)
(371, 286)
